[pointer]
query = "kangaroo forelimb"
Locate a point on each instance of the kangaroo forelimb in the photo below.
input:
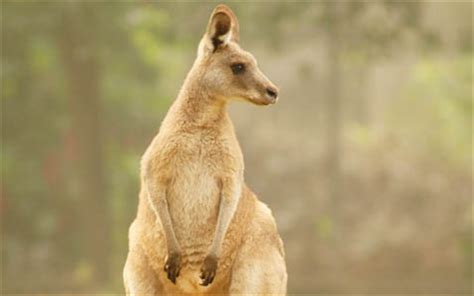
(231, 189)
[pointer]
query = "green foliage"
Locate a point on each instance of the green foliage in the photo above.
(440, 117)
(324, 227)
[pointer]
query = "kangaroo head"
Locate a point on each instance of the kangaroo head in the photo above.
(226, 70)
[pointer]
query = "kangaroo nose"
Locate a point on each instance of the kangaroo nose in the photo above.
(273, 93)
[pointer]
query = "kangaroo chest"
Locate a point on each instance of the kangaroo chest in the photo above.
(194, 192)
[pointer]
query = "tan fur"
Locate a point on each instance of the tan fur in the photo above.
(195, 210)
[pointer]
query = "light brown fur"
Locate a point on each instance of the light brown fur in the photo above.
(195, 211)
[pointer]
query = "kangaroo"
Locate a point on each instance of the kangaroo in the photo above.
(199, 229)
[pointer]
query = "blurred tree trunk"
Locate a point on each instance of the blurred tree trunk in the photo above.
(332, 137)
(78, 47)
(333, 104)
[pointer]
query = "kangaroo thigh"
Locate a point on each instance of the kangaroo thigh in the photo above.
(139, 278)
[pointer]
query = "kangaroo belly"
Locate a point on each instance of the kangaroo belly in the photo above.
(193, 200)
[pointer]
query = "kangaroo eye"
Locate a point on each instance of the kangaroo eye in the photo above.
(237, 68)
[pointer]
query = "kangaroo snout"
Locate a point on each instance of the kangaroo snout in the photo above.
(269, 92)
(272, 94)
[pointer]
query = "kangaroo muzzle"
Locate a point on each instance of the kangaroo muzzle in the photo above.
(271, 95)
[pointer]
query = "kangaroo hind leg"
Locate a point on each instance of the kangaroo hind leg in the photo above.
(259, 268)
(139, 278)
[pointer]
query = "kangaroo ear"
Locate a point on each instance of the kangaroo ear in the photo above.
(223, 27)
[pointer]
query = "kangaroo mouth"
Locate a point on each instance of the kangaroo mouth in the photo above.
(262, 101)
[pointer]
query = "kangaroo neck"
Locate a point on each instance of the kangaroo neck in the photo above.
(199, 109)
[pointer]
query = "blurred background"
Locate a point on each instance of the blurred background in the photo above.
(366, 161)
